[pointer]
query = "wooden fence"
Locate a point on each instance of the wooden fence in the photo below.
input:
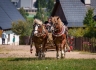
(84, 44)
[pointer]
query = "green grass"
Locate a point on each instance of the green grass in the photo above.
(47, 64)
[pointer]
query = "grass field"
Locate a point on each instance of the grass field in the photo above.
(47, 64)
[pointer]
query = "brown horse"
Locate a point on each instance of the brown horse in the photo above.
(59, 36)
(39, 37)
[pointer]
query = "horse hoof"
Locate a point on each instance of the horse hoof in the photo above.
(31, 52)
(62, 57)
(43, 55)
(36, 54)
(58, 57)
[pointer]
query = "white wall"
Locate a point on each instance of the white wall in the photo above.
(0, 40)
(16, 39)
(10, 42)
(28, 3)
(87, 1)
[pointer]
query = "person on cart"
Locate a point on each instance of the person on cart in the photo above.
(48, 25)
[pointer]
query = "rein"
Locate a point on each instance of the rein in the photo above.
(60, 33)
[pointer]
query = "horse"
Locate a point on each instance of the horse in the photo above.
(39, 37)
(59, 36)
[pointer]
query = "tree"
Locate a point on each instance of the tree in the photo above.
(88, 20)
(44, 9)
(90, 23)
(41, 2)
(50, 5)
(41, 14)
(21, 28)
(23, 13)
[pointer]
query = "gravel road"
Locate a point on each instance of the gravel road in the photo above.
(24, 51)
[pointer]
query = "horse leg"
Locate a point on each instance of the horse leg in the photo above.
(43, 49)
(37, 49)
(64, 48)
(67, 46)
(63, 44)
(31, 44)
(36, 54)
(57, 51)
(62, 51)
(41, 54)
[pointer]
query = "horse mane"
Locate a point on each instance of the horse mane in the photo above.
(60, 22)
(37, 21)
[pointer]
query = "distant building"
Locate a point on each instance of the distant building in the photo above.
(28, 5)
(8, 14)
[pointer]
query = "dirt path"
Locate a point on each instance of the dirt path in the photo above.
(24, 51)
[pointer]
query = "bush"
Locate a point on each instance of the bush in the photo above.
(21, 28)
(76, 32)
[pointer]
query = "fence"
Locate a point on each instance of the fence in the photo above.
(84, 44)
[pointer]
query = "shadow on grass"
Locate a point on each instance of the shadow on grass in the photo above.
(29, 59)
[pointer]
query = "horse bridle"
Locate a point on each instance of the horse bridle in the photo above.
(55, 29)
(39, 25)
(35, 25)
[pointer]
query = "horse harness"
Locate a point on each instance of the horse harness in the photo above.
(60, 33)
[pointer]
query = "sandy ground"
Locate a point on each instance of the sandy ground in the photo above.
(24, 51)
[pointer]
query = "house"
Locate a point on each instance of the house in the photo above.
(72, 12)
(28, 5)
(8, 14)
